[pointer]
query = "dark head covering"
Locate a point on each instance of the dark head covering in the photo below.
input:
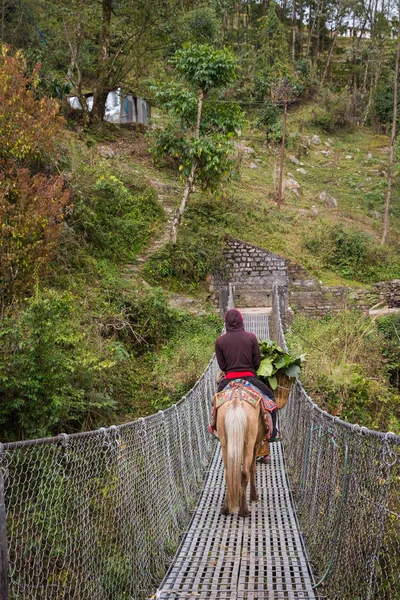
(233, 320)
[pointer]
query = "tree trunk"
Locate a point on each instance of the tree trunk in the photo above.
(102, 86)
(280, 189)
(392, 143)
(293, 32)
(190, 180)
(328, 62)
(178, 215)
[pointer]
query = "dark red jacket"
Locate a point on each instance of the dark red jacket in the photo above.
(237, 349)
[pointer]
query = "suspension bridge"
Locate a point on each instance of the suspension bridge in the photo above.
(133, 512)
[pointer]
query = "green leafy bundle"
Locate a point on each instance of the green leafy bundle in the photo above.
(275, 361)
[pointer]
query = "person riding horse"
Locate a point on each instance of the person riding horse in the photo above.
(238, 356)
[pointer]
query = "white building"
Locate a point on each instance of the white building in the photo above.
(120, 108)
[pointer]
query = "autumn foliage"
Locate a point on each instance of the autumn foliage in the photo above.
(31, 204)
(31, 208)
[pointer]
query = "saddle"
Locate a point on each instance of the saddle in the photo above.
(248, 393)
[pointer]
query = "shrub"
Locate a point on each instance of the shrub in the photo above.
(115, 220)
(28, 124)
(268, 118)
(31, 214)
(334, 112)
(52, 375)
(353, 254)
(345, 369)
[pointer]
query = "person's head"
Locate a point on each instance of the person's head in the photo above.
(233, 319)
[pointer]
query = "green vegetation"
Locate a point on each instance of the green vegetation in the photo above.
(351, 366)
(86, 341)
(275, 361)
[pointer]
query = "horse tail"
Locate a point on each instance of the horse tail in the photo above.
(235, 431)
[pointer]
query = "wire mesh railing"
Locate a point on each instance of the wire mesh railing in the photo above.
(346, 484)
(98, 515)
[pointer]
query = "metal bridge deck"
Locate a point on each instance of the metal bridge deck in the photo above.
(230, 558)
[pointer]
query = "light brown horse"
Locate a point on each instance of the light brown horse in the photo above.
(241, 429)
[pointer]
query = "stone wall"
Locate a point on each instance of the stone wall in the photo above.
(308, 295)
(254, 271)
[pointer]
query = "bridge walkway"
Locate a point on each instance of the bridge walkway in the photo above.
(229, 558)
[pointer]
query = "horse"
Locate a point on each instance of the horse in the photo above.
(241, 429)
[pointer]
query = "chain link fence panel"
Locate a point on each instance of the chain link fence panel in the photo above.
(98, 515)
(346, 485)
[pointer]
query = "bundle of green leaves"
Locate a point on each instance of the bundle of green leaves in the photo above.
(275, 361)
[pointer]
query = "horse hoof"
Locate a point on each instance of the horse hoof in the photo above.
(225, 510)
(254, 498)
(244, 513)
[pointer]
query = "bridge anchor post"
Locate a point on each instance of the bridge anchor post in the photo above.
(3, 538)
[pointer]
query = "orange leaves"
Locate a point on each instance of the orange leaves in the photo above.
(31, 216)
(28, 124)
(31, 205)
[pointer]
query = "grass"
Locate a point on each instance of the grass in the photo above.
(358, 184)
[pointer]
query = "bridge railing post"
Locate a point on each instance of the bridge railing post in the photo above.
(3, 537)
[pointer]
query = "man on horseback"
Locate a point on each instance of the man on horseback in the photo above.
(238, 356)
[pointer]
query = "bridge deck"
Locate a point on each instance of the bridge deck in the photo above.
(229, 558)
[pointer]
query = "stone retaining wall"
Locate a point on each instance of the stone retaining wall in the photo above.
(254, 271)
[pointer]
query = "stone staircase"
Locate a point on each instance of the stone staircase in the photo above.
(167, 197)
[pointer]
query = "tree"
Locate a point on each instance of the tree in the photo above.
(99, 46)
(392, 139)
(199, 142)
(31, 204)
(28, 124)
(273, 59)
(283, 92)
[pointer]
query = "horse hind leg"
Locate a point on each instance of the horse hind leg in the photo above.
(246, 472)
(243, 506)
(225, 507)
(253, 488)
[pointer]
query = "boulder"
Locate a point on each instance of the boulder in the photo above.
(348, 156)
(293, 159)
(301, 170)
(240, 147)
(292, 186)
(315, 140)
(105, 151)
(328, 200)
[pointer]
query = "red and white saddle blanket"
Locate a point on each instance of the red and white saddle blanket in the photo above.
(250, 394)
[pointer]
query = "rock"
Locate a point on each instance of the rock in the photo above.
(243, 148)
(292, 186)
(376, 215)
(293, 159)
(314, 210)
(331, 142)
(303, 171)
(348, 156)
(304, 212)
(328, 200)
(105, 152)
(253, 166)
(325, 152)
(315, 140)
(289, 175)
(369, 156)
